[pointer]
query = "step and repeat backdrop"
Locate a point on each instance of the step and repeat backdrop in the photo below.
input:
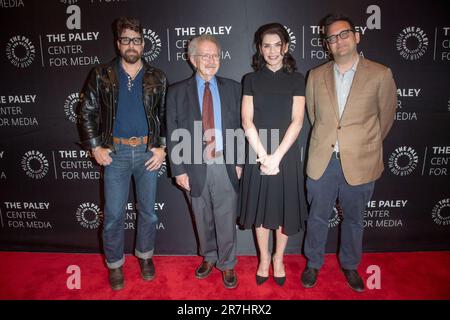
(51, 189)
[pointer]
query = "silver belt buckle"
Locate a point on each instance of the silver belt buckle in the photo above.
(133, 141)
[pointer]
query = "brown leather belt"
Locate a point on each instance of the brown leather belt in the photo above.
(132, 141)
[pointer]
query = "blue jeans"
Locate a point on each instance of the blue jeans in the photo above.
(322, 195)
(129, 161)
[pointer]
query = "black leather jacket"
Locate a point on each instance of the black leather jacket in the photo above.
(98, 105)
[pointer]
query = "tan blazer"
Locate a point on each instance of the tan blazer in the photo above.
(367, 118)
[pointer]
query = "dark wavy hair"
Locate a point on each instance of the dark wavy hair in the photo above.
(123, 23)
(258, 61)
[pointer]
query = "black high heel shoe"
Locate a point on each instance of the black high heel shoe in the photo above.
(260, 280)
(279, 280)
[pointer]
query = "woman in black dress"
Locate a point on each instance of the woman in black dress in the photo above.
(272, 193)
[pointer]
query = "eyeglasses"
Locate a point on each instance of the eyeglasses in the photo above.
(206, 57)
(136, 41)
(343, 35)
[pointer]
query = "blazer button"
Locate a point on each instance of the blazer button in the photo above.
(332, 145)
(339, 128)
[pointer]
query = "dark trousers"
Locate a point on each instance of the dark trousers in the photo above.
(322, 195)
(215, 218)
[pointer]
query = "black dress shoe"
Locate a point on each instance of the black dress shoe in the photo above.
(147, 269)
(309, 277)
(204, 270)
(260, 280)
(354, 280)
(280, 280)
(116, 278)
(229, 279)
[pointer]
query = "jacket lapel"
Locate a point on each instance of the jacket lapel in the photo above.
(224, 102)
(358, 83)
(193, 98)
(113, 75)
(331, 87)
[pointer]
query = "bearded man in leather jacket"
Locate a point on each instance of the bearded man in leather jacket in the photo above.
(122, 124)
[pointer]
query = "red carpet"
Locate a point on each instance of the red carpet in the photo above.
(415, 275)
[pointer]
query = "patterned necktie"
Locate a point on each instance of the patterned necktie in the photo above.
(208, 122)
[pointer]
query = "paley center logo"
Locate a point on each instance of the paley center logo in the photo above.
(439, 210)
(412, 43)
(292, 39)
(35, 164)
(403, 161)
(70, 106)
(153, 45)
(89, 215)
(163, 169)
(20, 51)
(336, 218)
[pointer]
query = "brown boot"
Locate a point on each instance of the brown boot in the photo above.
(116, 280)
(147, 269)
(204, 270)
(229, 279)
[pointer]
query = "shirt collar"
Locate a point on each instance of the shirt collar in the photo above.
(353, 68)
(267, 70)
(201, 82)
(122, 70)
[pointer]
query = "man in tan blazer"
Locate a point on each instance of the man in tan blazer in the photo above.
(351, 103)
